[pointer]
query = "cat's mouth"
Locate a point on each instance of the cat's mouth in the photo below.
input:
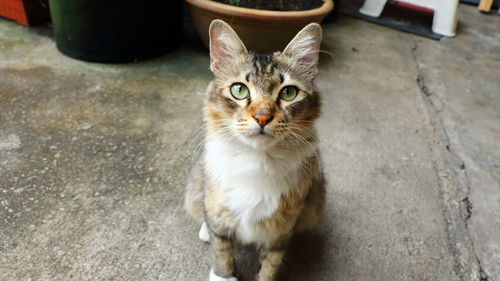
(261, 139)
(261, 134)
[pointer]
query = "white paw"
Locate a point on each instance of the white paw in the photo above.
(203, 234)
(214, 277)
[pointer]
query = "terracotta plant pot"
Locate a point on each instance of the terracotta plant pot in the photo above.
(262, 31)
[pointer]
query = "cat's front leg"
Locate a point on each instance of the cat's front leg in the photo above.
(270, 262)
(223, 249)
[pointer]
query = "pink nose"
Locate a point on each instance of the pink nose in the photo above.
(263, 116)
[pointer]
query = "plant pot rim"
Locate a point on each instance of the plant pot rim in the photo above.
(263, 15)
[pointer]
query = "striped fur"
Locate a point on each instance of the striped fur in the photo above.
(258, 184)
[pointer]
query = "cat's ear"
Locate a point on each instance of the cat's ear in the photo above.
(225, 46)
(303, 50)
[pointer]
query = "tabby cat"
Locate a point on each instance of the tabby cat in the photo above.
(259, 180)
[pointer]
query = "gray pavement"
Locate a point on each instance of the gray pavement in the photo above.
(93, 160)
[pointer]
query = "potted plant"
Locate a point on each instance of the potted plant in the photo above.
(116, 30)
(263, 25)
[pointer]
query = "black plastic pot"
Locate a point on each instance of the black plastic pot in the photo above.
(116, 30)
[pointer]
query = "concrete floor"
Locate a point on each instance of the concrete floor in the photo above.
(93, 160)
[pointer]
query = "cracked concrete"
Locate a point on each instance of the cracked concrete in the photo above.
(453, 185)
(93, 160)
(465, 104)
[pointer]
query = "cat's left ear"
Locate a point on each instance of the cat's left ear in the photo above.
(303, 50)
(225, 46)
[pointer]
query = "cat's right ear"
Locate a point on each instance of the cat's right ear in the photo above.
(225, 46)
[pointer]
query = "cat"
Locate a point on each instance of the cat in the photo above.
(259, 179)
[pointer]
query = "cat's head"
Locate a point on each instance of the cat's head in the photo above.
(263, 99)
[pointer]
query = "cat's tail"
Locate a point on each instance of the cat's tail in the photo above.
(193, 199)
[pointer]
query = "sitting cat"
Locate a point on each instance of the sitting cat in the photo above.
(259, 179)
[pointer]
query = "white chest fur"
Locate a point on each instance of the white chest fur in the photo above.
(251, 180)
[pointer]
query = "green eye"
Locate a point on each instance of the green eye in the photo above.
(239, 91)
(288, 93)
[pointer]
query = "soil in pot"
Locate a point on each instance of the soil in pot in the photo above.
(275, 5)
